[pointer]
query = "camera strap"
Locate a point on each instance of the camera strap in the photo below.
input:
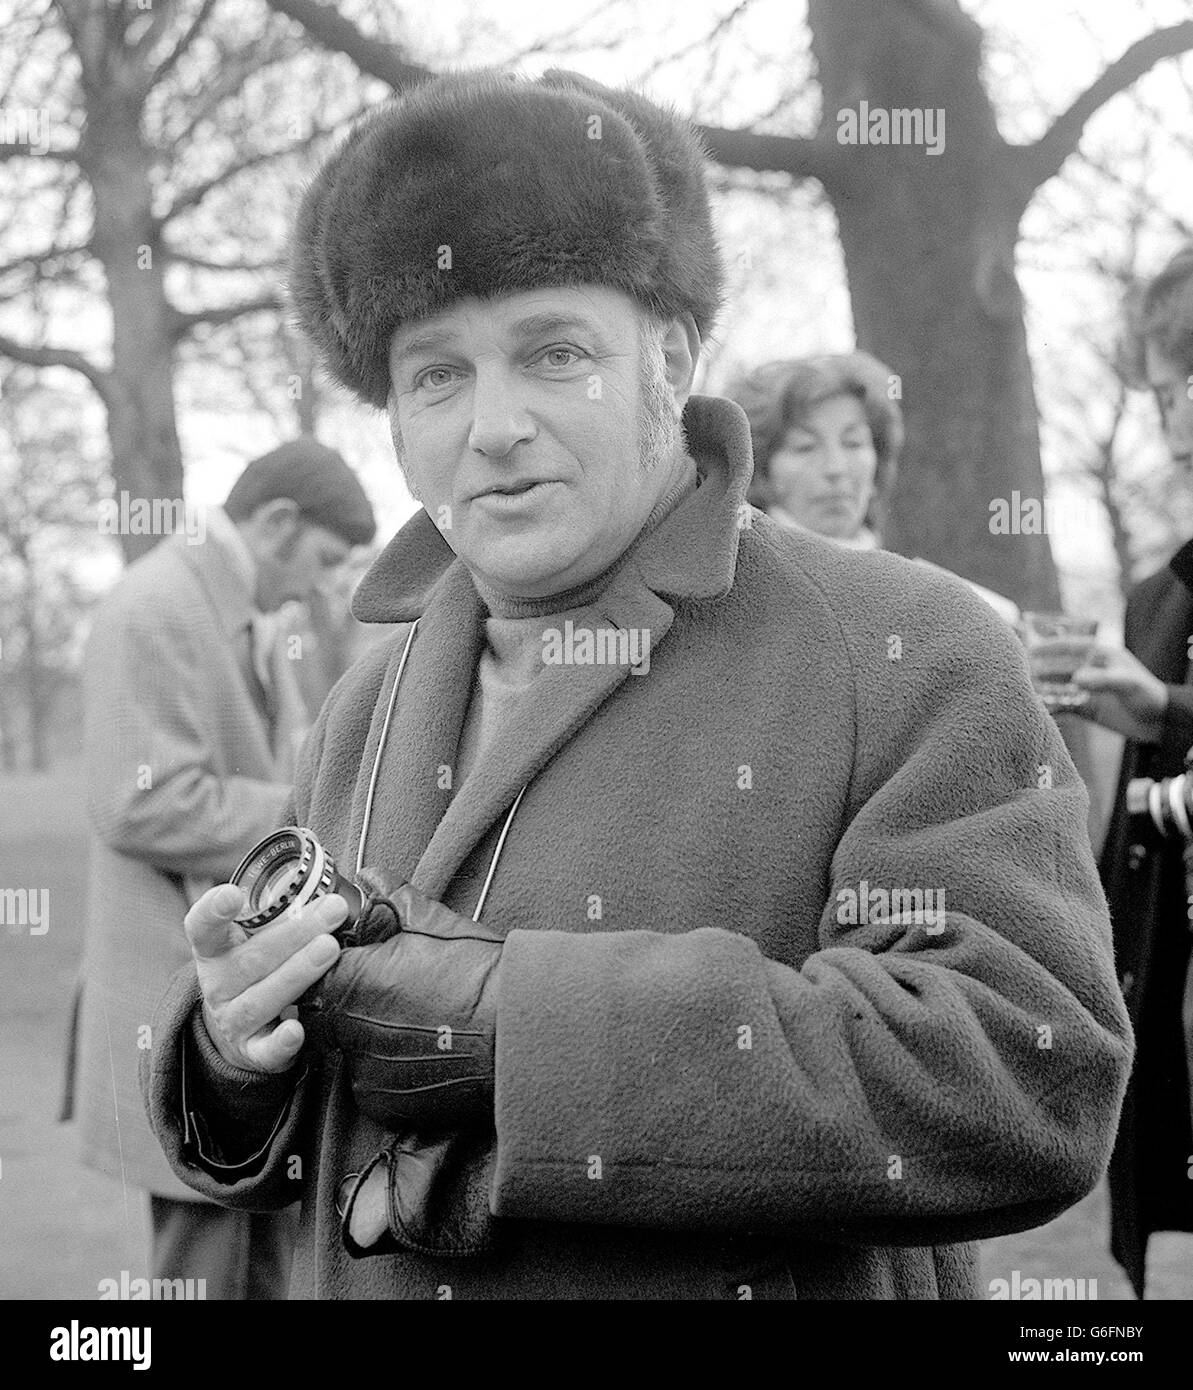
(368, 815)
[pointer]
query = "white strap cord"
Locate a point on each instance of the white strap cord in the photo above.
(364, 829)
(393, 695)
(480, 902)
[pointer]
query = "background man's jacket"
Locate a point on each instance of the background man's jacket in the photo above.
(708, 1082)
(1144, 878)
(182, 778)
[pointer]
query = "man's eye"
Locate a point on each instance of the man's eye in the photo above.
(559, 356)
(435, 378)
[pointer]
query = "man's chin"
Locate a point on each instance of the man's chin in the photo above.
(525, 575)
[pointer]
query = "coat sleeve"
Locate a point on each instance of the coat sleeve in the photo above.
(155, 791)
(910, 1082)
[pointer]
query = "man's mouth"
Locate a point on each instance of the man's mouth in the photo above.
(513, 495)
(518, 489)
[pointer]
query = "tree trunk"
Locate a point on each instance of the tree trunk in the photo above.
(929, 243)
(142, 429)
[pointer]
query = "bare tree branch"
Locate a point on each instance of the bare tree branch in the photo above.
(184, 42)
(58, 357)
(202, 263)
(332, 30)
(43, 257)
(787, 154)
(182, 323)
(190, 196)
(231, 81)
(159, 19)
(705, 41)
(1041, 160)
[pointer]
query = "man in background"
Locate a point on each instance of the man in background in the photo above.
(193, 719)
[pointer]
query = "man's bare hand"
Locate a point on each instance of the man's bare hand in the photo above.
(1124, 694)
(247, 980)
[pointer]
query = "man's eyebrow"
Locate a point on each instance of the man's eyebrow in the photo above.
(538, 325)
(533, 326)
(430, 340)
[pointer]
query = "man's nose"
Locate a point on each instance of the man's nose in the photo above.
(500, 418)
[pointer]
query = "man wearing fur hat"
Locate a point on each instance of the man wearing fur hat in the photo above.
(733, 930)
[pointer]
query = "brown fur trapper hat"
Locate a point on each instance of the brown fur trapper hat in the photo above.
(480, 184)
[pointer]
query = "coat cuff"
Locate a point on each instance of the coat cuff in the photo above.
(171, 1070)
(230, 1115)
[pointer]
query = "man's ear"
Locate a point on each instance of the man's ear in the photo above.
(277, 521)
(681, 351)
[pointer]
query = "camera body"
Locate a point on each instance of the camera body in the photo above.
(290, 868)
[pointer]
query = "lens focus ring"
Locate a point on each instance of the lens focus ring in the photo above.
(293, 850)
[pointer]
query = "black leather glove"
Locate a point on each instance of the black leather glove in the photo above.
(415, 1017)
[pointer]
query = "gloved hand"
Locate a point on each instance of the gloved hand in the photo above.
(415, 1017)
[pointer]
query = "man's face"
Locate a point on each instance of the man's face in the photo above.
(1173, 390)
(296, 561)
(517, 423)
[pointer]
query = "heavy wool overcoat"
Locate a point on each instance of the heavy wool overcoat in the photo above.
(1150, 1188)
(184, 774)
(718, 1075)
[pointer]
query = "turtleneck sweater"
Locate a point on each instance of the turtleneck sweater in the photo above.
(512, 657)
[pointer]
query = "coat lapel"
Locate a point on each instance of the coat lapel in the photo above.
(410, 800)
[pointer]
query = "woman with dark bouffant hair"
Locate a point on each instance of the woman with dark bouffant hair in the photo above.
(1144, 690)
(827, 432)
(826, 437)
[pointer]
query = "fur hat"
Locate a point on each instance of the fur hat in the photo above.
(480, 184)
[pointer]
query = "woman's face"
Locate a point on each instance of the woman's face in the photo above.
(822, 473)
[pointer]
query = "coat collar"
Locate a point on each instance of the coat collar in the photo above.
(692, 554)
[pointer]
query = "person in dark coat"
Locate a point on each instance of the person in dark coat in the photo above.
(731, 930)
(1143, 690)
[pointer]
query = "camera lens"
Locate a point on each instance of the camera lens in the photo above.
(290, 868)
